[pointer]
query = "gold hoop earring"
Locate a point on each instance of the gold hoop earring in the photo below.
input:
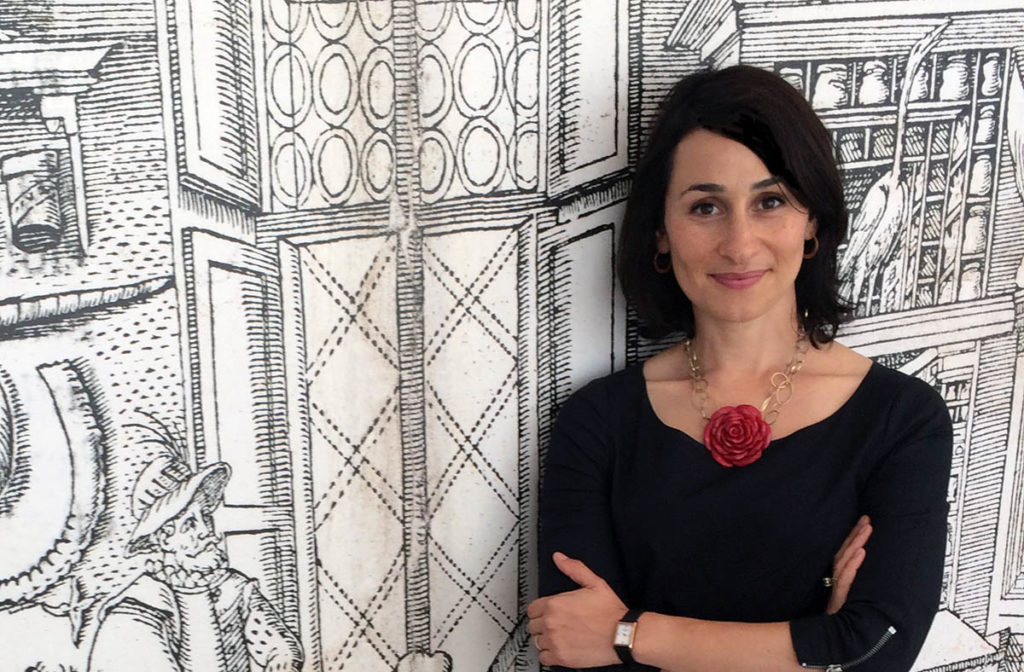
(814, 250)
(662, 262)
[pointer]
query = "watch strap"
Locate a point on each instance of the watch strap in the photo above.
(625, 653)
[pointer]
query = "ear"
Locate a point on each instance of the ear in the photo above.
(811, 229)
(661, 241)
(162, 534)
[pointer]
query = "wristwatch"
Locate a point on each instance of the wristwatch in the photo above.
(625, 634)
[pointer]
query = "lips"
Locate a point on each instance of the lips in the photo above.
(741, 280)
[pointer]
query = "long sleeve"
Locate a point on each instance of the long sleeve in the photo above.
(575, 503)
(270, 643)
(134, 636)
(673, 532)
(896, 593)
(575, 509)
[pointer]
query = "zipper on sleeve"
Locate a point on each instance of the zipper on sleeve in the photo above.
(839, 667)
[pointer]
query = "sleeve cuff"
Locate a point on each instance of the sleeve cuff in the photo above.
(821, 641)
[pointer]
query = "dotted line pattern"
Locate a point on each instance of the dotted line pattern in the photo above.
(471, 439)
(464, 302)
(352, 308)
(474, 589)
(362, 619)
(377, 427)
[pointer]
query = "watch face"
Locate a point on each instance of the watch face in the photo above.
(624, 634)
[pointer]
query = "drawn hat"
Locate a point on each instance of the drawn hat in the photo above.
(165, 488)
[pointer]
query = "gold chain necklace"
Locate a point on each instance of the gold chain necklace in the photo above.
(737, 435)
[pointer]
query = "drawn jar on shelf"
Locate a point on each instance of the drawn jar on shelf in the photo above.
(986, 130)
(32, 182)
(946, 291)
(981, 176)
(795, 77)
(970, 281)
(976, 230)
(991, 81)
(829, 86)
(954, 78)
(873, 86)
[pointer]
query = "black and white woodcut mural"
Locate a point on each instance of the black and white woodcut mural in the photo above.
(291, 291)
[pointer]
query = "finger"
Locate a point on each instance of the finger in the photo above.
(533, 627)
(536, 608)
(577, 571)
(849, 572)
(857, 527)
(856, 544)
(857, 538)
(841, 588)
(856, 530)
(845, 579)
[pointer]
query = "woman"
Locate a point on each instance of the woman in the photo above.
(726, 492)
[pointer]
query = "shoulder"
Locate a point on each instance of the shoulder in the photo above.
(236, 579)
(605, 394)
(591, 422)
(911, 422)
(910, 400)
(236, 585)
(144, 594)
(885, 394)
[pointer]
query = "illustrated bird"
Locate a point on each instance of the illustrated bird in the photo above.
(873, 232)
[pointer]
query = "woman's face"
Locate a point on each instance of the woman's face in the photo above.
(734, 232)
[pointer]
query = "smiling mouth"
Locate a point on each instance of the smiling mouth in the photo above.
(738, 280)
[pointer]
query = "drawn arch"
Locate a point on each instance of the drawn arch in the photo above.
(51, 476)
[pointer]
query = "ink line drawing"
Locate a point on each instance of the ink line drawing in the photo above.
(356, 253)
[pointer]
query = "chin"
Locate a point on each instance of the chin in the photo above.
(736, 314)
(748, 308)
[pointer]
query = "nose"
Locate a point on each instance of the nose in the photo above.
(738, 241)
(204, 527)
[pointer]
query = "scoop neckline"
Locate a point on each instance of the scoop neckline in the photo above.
(827, 419)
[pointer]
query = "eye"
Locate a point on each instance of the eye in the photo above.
(771, 202)
(188, 524)
(704, 208)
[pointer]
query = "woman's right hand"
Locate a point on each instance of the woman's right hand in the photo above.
(846, 562)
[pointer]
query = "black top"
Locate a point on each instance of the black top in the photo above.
(672, 531)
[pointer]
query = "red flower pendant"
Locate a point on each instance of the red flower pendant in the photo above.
(737, 435)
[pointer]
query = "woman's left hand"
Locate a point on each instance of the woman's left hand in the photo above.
(576, 628)
(846, 562)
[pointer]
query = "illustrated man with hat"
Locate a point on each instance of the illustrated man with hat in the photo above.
(189, 611)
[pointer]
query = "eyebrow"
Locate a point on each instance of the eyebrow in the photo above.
(713, 188)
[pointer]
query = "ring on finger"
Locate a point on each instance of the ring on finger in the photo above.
(536, 642)
(829, 581)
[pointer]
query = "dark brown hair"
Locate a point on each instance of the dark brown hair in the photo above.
(766, 114)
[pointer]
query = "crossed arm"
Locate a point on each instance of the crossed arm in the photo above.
(575, 628)
(604, 498)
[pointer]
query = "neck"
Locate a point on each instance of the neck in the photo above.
(170, 571)
(741, 350)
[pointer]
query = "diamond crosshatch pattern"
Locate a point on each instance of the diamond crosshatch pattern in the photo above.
(356, 455)
(472, 406)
